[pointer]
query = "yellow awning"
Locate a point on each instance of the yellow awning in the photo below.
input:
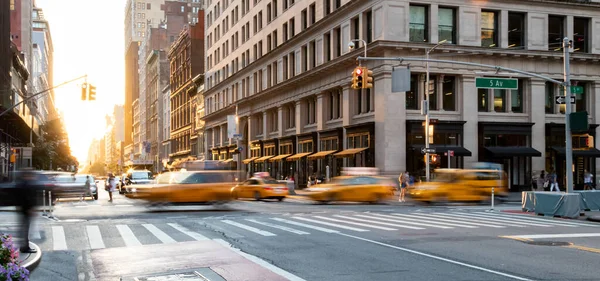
(246, 161)
(321, 154)
(297, 156)
(264, 158)
(228, 160)
(279, 157)
(350, 152)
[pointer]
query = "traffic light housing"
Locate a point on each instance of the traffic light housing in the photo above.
(357, 78)
(367, 78)
(84, 91)
(91, 92)
(583, 141)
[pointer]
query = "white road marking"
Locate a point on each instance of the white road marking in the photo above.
(433, 220)
(58, 236)
(409, 221)
(472, 220)
(284, 228)
(513, 220)
(332, 224)
(35, 232)
(356, 223)
(184, 230)
(464, 223)
(249, 228)
(128, 236)
(261, 262)
(531, 218)
(491, 271)
(378, 222)
(545, 236)
(163, 237)
(327, 230)
(94, 237)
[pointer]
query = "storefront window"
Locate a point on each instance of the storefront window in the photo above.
(285, 149)
(448, 90)
(447, 139)
(255, 151)
(358, 140)
(433, 104)
(269, 150)
(482, 100)
(499, 100)
(505, 140)
(305, 146)
(328, 144)
(412, 96)
(550, 89)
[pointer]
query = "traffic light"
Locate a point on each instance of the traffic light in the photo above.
(357, 78)
(583, 141)
(589, 142)
(92, 92)
(84, 93)
(367, 78)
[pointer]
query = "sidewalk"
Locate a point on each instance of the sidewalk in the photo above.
(31, 261)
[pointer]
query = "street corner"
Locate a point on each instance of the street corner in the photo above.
(189, 261)
(31, 260)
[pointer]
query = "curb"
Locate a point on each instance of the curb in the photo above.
(33, 263)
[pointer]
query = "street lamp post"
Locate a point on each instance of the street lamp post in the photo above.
(351, 45)
(426, 108)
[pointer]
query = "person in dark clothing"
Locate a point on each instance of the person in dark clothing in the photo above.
(26, 182)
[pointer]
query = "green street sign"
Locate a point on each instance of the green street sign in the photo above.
(576, 89)
(497, 83)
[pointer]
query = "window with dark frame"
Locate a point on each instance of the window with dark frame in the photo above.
(447, 25)
(368, 27)
(449, 93)
(555, 32)
(483, 100)
(418, 26)
(516, 98)
(581, 35)
(550, 90)
(516, 30)
(412, 96)
(489, 29)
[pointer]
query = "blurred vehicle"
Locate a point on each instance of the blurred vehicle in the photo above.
(66, 186)
(461, 185)
(260, 187)
(8, 190)
(372, 189)
(204, 187)
(133, 177)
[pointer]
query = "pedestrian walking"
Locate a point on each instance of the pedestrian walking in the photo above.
(553, 181)
(587, 180)
(26, 181)
(404, 180)
(541, 181)
(112, 186)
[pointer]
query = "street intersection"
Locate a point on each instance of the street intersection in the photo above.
(299, 240)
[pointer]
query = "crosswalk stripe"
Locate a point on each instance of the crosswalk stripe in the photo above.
(128, 236)
(332, 224)
(355, 223)
(469, 220)
(327, 230)
(184, 230)
(58, 236)
(163, 237)
(284, 228)
(512, 220)
(433, 220)
(250, 228)
(529, 218)
(490, 222)
(399, 220)
(378, 222)
(95, 237)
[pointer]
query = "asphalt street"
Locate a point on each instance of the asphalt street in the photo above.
(299, 240)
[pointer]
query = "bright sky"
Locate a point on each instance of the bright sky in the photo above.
(88, 39)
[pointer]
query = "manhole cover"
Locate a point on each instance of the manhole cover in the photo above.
(548, 243)
(199, 274)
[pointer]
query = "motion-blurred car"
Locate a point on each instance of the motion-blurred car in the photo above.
(260, 188)
(132, 178)
(66, 186)
(461, 185)
(371, 189)
(8, 190)
(203, 187)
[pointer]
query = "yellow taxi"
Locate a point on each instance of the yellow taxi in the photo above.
(260, 188)
(461, 185)
(187, 187)
(353, 188)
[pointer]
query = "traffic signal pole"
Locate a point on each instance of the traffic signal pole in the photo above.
(566, 44)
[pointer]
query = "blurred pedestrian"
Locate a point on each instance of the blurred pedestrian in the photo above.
(553, 181)
(541, 181)
(112, 186)
(587, 180)
(26, 181)
(88, 184)
(404, 180)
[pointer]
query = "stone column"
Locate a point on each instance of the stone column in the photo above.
(503, 29)
(280, 121)
(538, 118)
(298, 117)
(570, 31)
(470, 115)
(319, 114)
(390, 126)
(265, 125)
(346, 105)
(440, 92)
